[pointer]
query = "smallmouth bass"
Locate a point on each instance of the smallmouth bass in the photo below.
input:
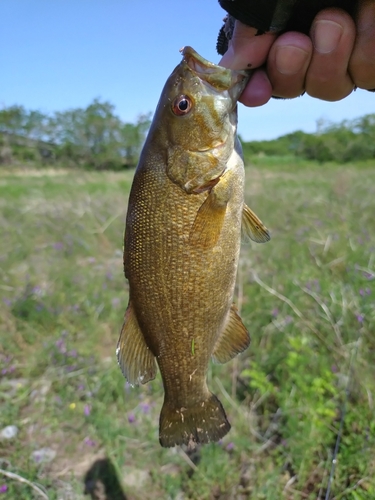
(182, 241)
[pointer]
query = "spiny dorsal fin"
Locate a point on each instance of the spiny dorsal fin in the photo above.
(233, 339)
(136, 361)
(208, 223)
(252, 227)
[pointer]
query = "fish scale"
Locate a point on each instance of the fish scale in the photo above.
(182, 242)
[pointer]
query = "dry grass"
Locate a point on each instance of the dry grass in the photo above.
(307, 298)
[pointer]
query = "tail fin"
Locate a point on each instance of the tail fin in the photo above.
(202, 423)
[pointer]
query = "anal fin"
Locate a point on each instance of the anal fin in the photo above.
(252, 227)
(233, 339)
(136, 361)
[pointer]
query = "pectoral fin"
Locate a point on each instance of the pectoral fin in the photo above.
(206, 229)
(136, 361)
(233, 339)
(252, 227)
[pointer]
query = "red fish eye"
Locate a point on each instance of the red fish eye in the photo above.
(182, 105)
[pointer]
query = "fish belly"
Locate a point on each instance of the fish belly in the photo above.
(181, 289)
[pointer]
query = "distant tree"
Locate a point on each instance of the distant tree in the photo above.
(96, 137)
(349, 140)
(36, 126)
(132, 139)
(13, 120)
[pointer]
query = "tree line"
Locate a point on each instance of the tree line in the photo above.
(93, 137)
(349, 140)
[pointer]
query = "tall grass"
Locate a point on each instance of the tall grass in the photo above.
(307, 297)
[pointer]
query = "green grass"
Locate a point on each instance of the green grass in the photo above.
(307, 298)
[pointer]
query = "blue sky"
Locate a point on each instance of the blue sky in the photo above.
(61, 54)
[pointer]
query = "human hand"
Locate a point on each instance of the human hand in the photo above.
(338, 55)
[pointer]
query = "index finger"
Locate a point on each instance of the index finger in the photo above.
(246, 50)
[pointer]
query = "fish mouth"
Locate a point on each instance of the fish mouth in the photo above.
(217, 76)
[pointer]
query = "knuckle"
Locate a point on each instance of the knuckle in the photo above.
(362, 70)
(329, 93)
(365, 82)
(287, 90)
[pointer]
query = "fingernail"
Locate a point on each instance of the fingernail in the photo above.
(290, 60)
(326, 36)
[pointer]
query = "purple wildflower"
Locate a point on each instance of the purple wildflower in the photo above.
(115, 302)
(58, 245)
(60, 344)
(334, 369)
(3, 488)
(288, 320)
(91, 260)
(230, 446)
(317, 285)
(360, 318)
(131, 418)
(81, 387)
(313, 285)
(36, 290)
(275, 312)
(87, 410)
(7, 302)
(89, 442)
(73, 353)
(145, 407)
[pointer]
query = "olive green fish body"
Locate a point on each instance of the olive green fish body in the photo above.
(182, 243)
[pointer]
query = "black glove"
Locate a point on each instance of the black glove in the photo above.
(275, 15)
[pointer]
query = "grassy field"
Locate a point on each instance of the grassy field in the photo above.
(307, 297)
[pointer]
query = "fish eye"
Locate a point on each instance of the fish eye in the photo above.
(182, 105)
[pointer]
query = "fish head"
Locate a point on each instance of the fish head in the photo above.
(198, 114)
